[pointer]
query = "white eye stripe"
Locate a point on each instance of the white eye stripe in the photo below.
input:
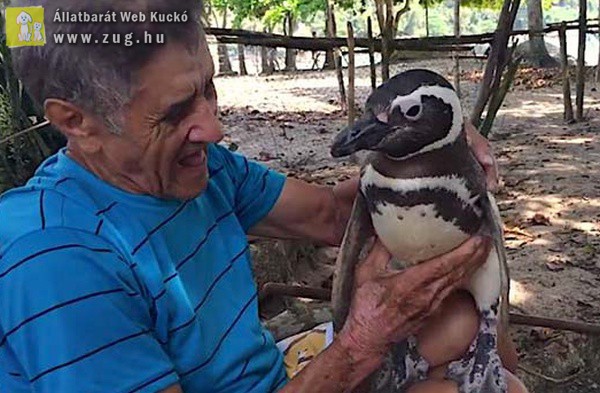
(446, 95)
(406, 104)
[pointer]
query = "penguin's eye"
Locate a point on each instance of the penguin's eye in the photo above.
(413, 112)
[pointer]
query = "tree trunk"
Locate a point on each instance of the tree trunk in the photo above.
(386, 52)
(426, 18)
(290, 54)
(266, 59)
(497, 59)
(336, 56)
(224, 62)
(538, 54)
(329, 62)
(388, 25)
(329, 58)
(242, 59)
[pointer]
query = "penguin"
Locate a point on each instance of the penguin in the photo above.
(423, 193)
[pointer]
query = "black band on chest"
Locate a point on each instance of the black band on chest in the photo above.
(447, 205)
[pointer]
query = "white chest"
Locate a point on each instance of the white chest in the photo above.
(415, 233)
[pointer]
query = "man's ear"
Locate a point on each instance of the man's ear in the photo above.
(77, 125)
(67, 117)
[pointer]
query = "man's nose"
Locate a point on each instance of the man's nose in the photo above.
(205, 126)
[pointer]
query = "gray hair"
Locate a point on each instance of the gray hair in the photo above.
(99, 77)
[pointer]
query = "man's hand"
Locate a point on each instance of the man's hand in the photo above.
(483, 152)
(390, 305)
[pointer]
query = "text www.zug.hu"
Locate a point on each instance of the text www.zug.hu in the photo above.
(126, 39)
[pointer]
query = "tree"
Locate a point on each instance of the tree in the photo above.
(390, 12)
(388, 18)
(289, 26)
(538, 54)
(212, 8)
(288, 13)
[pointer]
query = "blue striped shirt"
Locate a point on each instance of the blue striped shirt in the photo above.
(106, 291)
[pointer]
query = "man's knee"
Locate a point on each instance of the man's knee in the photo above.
(439, 385)
(448, 334)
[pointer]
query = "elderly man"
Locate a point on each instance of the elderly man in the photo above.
(124, 262)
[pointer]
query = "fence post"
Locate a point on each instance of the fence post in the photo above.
(372, 54)
(580, 81)
(351, 69)
(337, 57)
(564, 62)
(455, 54)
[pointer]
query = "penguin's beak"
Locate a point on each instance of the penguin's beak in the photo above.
(365, 134)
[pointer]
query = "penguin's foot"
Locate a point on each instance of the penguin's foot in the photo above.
(480, 370)
(402, 367)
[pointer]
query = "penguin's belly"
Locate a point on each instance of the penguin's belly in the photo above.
(415, 233)
(420, 218)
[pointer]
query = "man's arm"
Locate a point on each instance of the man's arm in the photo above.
(309, 211)
(337, 369)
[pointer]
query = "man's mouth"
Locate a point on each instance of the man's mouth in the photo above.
(195, 159)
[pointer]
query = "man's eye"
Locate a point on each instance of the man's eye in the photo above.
(178, 112)
(173, 116)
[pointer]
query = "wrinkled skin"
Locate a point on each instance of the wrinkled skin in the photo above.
(388, 306)
(166, 126)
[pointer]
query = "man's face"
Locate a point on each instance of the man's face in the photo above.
(171, 117)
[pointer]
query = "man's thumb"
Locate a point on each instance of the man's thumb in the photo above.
(376, 262)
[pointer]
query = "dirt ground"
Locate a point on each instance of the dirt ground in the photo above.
(550, 199)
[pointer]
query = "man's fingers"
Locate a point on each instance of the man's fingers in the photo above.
(491, 171)
(484, 154)
(481, 254)
(460, 256)
(476, 257)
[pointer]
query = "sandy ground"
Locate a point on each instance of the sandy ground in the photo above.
(550, 199)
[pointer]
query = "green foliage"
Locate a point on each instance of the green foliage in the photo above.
(480, 4)
(19, 156)
(273, 12)
(441, 20)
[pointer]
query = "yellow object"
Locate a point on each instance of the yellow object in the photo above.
(300, 349)
(25, 26)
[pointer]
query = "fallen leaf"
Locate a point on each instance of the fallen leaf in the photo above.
(540, 219)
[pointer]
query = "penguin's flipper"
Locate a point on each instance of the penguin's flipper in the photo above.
(495, 222)
(358, 231)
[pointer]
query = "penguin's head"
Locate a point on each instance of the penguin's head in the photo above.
(414, 112)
